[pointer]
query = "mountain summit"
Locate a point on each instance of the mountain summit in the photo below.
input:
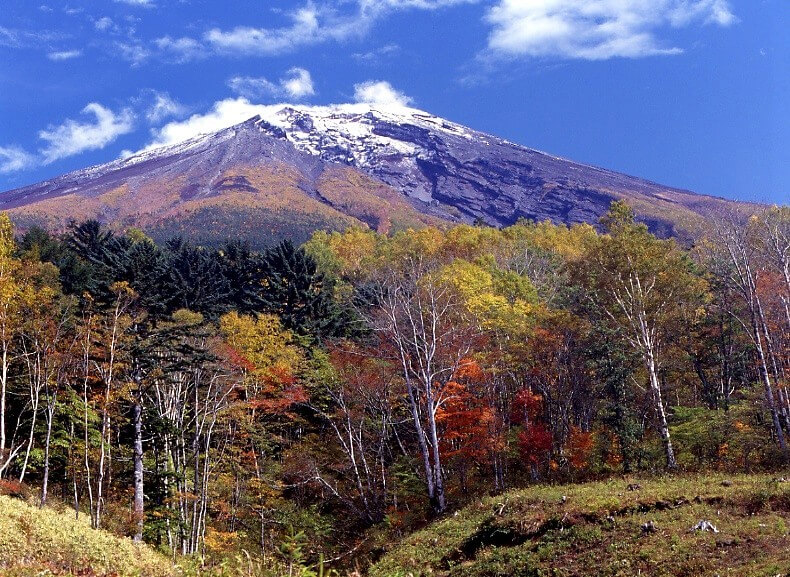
(293, 169)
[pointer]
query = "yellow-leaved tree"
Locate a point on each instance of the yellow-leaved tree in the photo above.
(10, 321)
(270, 362)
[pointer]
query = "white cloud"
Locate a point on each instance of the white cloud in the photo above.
(707, 11)
(310, 25)
(721, 14)
(9, 37)
(223, 114)
(73, 137)
(164, 106)
(253, 87)
(313, 24)
(64, 55)
(104, 23)
(377, 8)
(133, 53)
(142, 3)
(298, 84)
(232, 111)
(380, 92)
(13, 159)
(183, 49)
(374, 56)
(16, 38)
(381, 5)
(595, 29)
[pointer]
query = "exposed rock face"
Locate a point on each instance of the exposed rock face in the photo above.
(351, 163)
(440, 163)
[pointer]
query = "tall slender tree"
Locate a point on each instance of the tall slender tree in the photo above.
(647, 288)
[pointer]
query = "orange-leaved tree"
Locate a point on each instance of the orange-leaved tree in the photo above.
(469, 436)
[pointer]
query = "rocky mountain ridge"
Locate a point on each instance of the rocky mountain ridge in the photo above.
(332, 166)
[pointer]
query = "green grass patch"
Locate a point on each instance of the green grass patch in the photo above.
(620, 527)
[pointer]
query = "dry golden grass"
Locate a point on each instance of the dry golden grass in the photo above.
(46, 542)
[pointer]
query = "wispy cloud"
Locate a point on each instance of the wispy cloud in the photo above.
(310, 25)
(253, 87)
(17, 38)
(164, 106)
(9, 37)
(64, 55)
(182, 49)
(314, 24)
(376, 55)
(297, 84)
(141, 3)
(14, 159)
(223, 114)
(685, 12)
(595, 29)
(380, 92)
(134, 53)
(73, 136)
(104, 126)
(381, 5)
(103, 24)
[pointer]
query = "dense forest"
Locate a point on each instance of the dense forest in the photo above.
(321, 401)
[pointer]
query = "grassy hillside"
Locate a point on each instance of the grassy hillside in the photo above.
(623, 527)
(45, 542)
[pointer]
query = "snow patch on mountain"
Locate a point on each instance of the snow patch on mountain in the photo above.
(446, 170)
(372, 136)
(352, 133)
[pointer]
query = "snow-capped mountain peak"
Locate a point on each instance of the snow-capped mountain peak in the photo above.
(423, 164)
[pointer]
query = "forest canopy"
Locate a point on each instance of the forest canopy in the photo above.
(292, 400)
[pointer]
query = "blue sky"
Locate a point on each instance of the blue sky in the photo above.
(689, 93)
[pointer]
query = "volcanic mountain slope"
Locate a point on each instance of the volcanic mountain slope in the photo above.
(238, 182)
(294, 169)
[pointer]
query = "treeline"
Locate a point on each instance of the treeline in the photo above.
(287, 401)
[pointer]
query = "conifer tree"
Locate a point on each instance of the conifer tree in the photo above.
(296, 292)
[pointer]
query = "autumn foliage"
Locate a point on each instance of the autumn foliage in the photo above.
(288, 402)
(465, 417)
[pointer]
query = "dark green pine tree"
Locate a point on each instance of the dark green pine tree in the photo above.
(99, 259)
(194, 279)
(296, 292)
(245, 273)
(37, 244)
(76, 274)
(147, 272)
